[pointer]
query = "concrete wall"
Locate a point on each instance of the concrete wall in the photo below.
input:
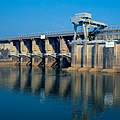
(96, 57)
(38, 52)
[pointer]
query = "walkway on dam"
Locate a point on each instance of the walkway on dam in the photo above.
(112, 31)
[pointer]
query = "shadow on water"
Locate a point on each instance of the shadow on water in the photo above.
(90, 93)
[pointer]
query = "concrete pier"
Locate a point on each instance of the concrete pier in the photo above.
(38, 51)
(26, 50)
(96, 57)
(53, 51)
(49, 50)
(116, 67)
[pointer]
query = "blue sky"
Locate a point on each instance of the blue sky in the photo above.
(26, 16)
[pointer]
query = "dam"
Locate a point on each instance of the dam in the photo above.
(95, 47)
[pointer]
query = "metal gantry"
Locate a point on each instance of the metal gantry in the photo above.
(84, 20)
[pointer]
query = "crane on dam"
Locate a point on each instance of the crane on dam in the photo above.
(89, 26)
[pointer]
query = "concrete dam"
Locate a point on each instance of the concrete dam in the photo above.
(95, 47)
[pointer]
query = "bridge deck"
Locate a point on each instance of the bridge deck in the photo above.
(57, 34)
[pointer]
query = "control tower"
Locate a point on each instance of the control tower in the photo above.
(88, 25)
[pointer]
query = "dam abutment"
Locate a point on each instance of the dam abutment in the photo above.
(96, 57)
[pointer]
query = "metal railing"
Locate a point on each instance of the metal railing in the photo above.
(36, 34)
(111, 29)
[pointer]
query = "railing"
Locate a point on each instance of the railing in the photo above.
(37, 34)
(111, 29)
(111, 32)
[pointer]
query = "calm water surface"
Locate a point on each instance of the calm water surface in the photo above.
(35, 94)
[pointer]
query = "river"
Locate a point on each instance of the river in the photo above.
(37, 94)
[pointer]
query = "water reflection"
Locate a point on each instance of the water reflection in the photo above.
(91, 93)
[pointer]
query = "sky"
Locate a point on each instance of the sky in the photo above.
(27, 16)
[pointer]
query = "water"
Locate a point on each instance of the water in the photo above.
(35, 94)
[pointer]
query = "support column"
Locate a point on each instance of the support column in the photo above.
(74, 55)
(80, 56)
(116, 65)
(49, 60)
(85, 31)
(63, 47)
(98, 57)
(75, 32)
(37, 52)
(85, 56)
(23, 47)
(89, 56)
(64, 50)
(14, 51)
(25, 52)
